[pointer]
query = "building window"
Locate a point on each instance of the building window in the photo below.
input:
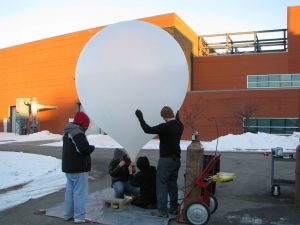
(283, 126)
(273, 81)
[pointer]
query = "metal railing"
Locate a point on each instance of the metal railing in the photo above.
(244, 42)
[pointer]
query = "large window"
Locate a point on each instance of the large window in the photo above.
(273, 81)
(271, 125)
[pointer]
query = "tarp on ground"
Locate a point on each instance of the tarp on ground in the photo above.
(98, 213)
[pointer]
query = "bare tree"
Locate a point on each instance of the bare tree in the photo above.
(243, 111)
(192, 113)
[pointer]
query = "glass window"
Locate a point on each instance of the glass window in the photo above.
(263, 122)
(286, 83)
(291, 130)
(262, 81)
(252, 78)
(286, 80)
(295, 83)
(251, 129)
(296, 77)
(277, 123)
(252, 85)
(274, 84)
(264, 130)
(291, 122)
(274, 81)
(277, 131)
(252, 122)
(274, 78)
(263, 84)
(272, 125)
(286, 77)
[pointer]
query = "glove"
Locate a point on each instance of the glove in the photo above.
(139, 114)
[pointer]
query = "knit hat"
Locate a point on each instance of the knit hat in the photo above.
(119, 154)
(143, 163)
(82, 119)
(166, 112)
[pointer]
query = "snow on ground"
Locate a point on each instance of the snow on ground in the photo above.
(24, 176)
(244, 142)
(39, 136)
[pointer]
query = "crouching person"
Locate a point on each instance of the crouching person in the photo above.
(145, 179)
(118, 170)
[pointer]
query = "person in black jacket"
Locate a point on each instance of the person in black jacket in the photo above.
(118, 170)
(76, 163)
(169, 159)
(145, 179)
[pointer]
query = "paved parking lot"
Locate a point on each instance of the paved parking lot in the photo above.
(246, 200)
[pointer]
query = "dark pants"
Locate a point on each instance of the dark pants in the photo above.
(166, 183)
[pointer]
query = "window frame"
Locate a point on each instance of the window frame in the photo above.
(256, 125)
(267, 81)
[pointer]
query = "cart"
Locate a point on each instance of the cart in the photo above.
(276, 182)
(198, 212)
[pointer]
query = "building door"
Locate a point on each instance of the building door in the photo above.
(13, 124)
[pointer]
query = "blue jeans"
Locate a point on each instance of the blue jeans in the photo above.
(124, 187)
(166, 183)
(75, 195)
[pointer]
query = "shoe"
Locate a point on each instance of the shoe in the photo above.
(173, 211)
(68, 219)
(159, 214)
(82, 220)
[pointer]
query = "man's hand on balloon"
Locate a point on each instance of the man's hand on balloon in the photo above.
(139, 114)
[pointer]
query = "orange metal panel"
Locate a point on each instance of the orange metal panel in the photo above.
(294, 38)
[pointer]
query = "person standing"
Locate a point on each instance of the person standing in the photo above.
(169, 163)
(76, 163)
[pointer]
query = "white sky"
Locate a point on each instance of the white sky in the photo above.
(23, 21)
(48, 178)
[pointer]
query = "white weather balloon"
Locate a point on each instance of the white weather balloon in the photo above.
(127, 66)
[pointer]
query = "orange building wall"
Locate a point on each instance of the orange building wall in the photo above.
(230, 71)
(45, 69)
(222, 106)
(294, 39)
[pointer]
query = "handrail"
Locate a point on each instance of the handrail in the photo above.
(255, 45)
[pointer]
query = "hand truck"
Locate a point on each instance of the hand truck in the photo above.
(198, 212)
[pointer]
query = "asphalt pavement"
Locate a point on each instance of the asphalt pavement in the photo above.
(247, 200)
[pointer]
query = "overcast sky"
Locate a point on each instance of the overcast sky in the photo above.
(23, 21)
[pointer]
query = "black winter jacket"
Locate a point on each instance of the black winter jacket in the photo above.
(169, 135)
(118, 173)
(146, 180)
(76, 150)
